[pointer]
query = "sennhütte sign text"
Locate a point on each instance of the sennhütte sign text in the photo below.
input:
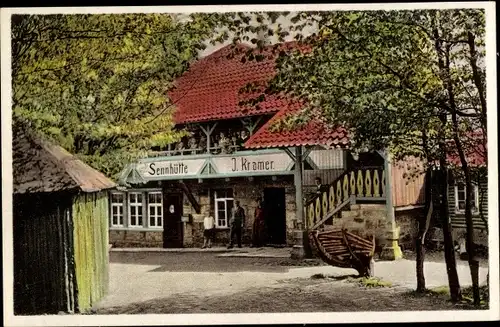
(223, 165)
(173, 168)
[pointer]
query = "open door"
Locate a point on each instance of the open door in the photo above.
(172, 220)
(275, 215)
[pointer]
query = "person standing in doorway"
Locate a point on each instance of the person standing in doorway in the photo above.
(258, 225)
(236, 224)
(208, 231)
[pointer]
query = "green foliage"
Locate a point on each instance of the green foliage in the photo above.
(378, 73)
(96, 84)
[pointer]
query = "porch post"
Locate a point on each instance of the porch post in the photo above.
(298, 251)
(391, 250)
(208, 132)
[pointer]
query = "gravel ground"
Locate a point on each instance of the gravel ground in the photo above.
(209, 283)
(297, 295)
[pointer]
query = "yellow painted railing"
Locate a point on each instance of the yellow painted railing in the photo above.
(361, 183)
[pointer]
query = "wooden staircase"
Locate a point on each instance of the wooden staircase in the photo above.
(361, 185)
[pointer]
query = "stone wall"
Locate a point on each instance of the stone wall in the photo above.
(365, 220)
(407, 221)
(130, 238)
(246, 192)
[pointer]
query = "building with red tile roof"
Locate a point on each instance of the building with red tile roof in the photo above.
(220, 165)
(211, 91)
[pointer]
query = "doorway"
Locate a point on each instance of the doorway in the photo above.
(275, 215)
(172, 220)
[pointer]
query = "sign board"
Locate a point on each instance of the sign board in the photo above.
(259, 163)
(170, 168)
(222, 165)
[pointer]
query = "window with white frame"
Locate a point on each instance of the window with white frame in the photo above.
(155, 209)
(117, 203)
(224, 202)
(460, 197)
(135, 209)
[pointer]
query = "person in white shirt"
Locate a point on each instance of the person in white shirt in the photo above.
(208, 231)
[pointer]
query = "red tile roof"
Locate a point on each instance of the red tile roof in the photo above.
(475, 152)
(209, 90)
(313, 133)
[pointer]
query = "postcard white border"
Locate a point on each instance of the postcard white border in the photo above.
(258, 318)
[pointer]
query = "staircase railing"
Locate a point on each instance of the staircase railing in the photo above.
(366, 183)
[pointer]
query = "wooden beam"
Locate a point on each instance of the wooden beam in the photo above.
(311, 163)
(299, 201)
(249, 124)
(290, 153)
(190, 197)
(208, 130)
(388, 187)
(306, 152)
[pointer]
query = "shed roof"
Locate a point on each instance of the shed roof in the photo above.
(40, 166)
(210, 89)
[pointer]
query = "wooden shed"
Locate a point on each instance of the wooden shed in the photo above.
(60, 225)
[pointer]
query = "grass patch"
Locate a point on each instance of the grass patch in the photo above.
(370, 282)
(440, 290)
(443, 292)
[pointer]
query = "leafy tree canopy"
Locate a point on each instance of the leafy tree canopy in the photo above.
(96, 84)
(383, 74)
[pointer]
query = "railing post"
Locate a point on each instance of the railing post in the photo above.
(298, 251)
(391, 251)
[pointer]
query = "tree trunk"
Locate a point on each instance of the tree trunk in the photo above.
(420, 265)
(449, 251)
(423, 227)
(469, 245)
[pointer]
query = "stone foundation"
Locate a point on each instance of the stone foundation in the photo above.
(244, 190)
(130, 239)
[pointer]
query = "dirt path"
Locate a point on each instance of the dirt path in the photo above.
(294, 295)
(208, 283)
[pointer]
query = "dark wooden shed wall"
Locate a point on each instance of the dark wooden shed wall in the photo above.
(43, 266)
